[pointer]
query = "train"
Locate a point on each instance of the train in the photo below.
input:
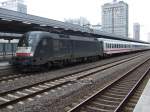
(37, 48)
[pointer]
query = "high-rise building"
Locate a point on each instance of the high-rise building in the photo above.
(148, 39)
(15, 5)
(136, 31)
(115, 18)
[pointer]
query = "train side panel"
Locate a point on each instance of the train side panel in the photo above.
(85, 48)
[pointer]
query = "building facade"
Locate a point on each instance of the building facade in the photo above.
(136, 31)
(115, 18)
(148, 37)
(15, 5)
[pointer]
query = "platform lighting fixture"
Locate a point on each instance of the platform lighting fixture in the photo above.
(55, 27)
(26, 22)
(43, 25)
(4, 19)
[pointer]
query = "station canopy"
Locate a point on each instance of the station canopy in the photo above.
(19, 23)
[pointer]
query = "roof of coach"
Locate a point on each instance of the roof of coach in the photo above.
(118, 41)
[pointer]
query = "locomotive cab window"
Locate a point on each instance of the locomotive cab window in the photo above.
(29, 40)
(23, 42)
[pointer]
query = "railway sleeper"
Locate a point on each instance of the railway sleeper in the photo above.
(128, 109)
(127, 81)
(107, 101)
(93, 109)
(111, 98)
(100, 105)
(124, 84)
(135, 97)
(131, 105)
(133, 100)
(124, 88)
(114, 95)
(118, 92)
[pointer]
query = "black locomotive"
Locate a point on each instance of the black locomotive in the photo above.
(44, 48)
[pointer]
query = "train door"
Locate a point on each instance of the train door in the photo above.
(101, 48)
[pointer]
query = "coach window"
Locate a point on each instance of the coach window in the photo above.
(106, 45)
(109, 45)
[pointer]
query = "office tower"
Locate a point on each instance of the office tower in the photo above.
(15, 5)
(136, 31)
(115, 18)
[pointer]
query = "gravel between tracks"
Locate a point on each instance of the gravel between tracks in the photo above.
(28, 80)
(56, 101)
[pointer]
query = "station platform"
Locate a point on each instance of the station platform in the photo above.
(5, 63)
(143, 104)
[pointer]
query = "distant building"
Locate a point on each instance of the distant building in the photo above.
(96, 27)
(136, 31)
(15, 5)
(82, 21)
(148, 37)
(115, 18)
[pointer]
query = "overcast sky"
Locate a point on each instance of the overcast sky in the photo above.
(91, 9)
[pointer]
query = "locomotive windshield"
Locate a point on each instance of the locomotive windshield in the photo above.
(29, 40)
(23, 41)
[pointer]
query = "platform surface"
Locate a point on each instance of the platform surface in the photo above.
(143, 104)
(6, 63)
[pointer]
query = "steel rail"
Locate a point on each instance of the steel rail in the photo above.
(13, 77)
(40, 91)
(89, 99)
(118, 109)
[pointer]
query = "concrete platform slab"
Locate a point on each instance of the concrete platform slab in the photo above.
(143, 104)
(2, 64)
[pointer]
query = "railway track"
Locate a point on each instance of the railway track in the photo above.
(134, 97)
(10, 98)
(114, 96)
(14, 76)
